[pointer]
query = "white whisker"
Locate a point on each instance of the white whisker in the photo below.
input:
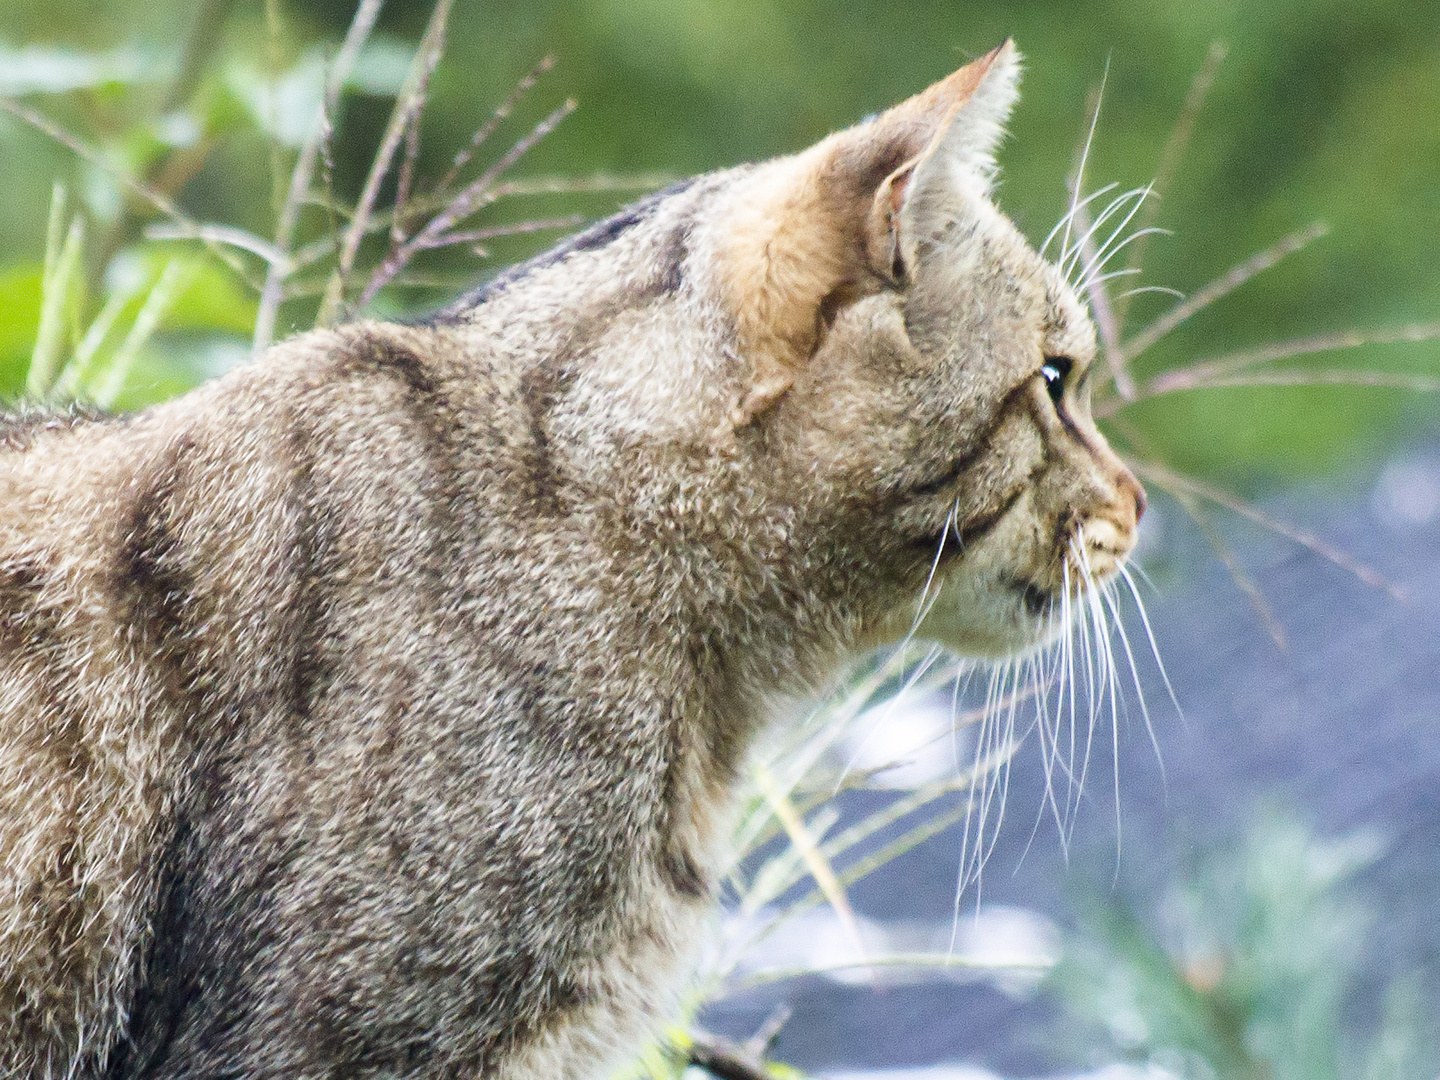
(1107, 655)
(1129, 271)
(1108, 596)
(1085, 157)
(1150, 635)
(1154, 289)
(1102, 254)
(1071, 257)
(920, 609)
(1075, 208)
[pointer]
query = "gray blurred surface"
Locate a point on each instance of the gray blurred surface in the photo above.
(1342, 727)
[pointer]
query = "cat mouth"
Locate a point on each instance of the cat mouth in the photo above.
(1037, 600)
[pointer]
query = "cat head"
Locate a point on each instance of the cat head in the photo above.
(905, 337)
(840, 383)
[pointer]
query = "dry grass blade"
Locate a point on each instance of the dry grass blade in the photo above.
(809, 852)
(58, 291)
(163, 294)
(408, 105)
(1390, 380)
(474, 195)
(891, 960)
(518, 228)
(158, 199)
(1221, 286)
(273, 290)
(1171, 156)
(1169, 477)
(800, 756)
(77, 369)
(223, 234)
(1206, 373)
(899, 846)
(882, 819)
(906, 841)
(498, 117)
(1224, 553)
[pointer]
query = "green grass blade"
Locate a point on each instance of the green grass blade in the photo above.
(60, 287)
(111, 380)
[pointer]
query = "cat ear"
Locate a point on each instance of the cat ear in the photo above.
(801, 230)
(959, 162)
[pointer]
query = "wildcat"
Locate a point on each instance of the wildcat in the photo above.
(375, 709)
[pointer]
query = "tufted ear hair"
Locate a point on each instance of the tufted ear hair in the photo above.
(960, 159)
(802, 233)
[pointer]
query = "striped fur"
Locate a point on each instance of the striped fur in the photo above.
(374, 710)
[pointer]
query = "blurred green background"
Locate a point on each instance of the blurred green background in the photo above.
(1322, 110)
(1325, 111)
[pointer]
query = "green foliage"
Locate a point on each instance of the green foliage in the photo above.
(1320, 111)
(1245, 967)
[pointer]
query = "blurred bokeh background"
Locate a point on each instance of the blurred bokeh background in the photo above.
(1314, 714)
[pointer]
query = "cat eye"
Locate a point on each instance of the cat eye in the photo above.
(1054, 371)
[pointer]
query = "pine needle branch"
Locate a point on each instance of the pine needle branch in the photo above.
(1221, 286)
(272, 293)
(498, 117)
(1171, 479)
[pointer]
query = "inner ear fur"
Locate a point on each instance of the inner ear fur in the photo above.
(828, 222)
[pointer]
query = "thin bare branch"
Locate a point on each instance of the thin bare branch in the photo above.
(1225, 554)
(406, 180)
(477, 193)
(474, 236)
(1390, 380)
(273, 291)
(222, 234)
(1221, 286)
(430, 203)
(600, 182)
(480, 190)
(1305, 539)
(407, 105)
(1171, 156)
(809, 852)
(498, 117)
(1227, 370)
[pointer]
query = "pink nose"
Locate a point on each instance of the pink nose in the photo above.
(1127, 482)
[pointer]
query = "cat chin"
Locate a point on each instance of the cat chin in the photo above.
(990, 619)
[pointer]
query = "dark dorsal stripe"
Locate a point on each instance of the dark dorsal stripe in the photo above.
(599, 235)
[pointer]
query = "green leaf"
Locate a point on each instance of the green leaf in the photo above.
(20, 299)
(210, 299)
(52, 69)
